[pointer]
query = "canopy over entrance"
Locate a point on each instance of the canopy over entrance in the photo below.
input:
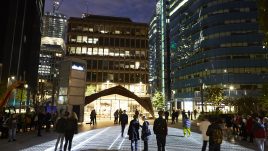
(145, 102)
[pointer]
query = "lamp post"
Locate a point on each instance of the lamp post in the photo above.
(202, 97)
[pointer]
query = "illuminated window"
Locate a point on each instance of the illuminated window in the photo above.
(89, 51)
(72, 50)
(79, 39)
(117, 32)
(106, 51)
(78, 50)
(95, 51)
(84, 39)
(137, 65)
(84, 50)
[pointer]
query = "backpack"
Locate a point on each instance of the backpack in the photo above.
(217, 136)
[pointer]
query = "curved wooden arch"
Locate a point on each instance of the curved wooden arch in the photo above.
(144, 102)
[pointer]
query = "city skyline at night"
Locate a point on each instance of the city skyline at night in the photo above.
(136, 10)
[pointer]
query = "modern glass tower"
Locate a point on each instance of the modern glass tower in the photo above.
(159, 50)
(216, 43)
(116, 51)
(52, 51)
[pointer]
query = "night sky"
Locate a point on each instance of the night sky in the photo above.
(136, 10)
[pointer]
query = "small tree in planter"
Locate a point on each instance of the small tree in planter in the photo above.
(158, 101)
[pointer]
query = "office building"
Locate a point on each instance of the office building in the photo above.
(116, 51)
(159, 54)
(51, 53)
(20, 41)
(216, 43)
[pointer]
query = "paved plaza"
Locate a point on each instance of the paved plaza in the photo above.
(109, 138)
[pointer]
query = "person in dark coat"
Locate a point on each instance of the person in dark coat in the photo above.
(166, 115)
(173, 116)
(116, 117)
(93, 117)
(160, 130)
(120, 112)
(40, 122)
(70, 129)
(124, 121)
(60, 124)
(133, 132)
(145, 133)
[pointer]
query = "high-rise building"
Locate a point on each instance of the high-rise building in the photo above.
(20, 40)
(51, 53)
(159, 54)
(54, 25)
(116, 52)
(216, 43)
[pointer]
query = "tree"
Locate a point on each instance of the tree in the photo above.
(158, 100)
(91, 89)
(214, 95)
(21, 95)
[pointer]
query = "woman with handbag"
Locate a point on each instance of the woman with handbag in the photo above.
(145, 132)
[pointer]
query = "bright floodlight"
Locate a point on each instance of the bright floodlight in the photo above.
(231, 87)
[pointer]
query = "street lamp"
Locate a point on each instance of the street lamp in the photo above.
(202, 97)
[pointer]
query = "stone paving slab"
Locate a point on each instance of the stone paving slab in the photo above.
(109, 138)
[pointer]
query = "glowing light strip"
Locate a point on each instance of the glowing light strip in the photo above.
(178, 7)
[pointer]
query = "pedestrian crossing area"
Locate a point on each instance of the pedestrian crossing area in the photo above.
(109, 138)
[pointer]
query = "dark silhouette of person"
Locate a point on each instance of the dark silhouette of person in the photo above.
(70, 129)
(124, 121)
(120, 112)
(166, 115)
(160, 130)
(93, 117)
(133, 132)
(116, 117)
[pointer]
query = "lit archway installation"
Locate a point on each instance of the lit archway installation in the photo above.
(145, 102)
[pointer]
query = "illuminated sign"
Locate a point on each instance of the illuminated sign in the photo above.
(78, 66)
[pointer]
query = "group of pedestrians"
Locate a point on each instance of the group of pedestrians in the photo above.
(66, 126)
(214, 129)
(159, 129)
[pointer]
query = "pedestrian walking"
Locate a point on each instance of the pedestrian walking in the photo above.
(133, 132)
(93, 115)
(259, 133)
(124, 121)
(166, 116)
(186, 126)
(116, 117)
(215, 135)
(40, 122)
(120, 112)
(173, 116)
(195, 113)
(145, 133)
(12, 126)
(160, 130)
(70, 129)
(60, 124)
(203, 126)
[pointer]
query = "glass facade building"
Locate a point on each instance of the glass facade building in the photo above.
(159, 54)
(116, 51)
(52, 51)
(217, 43)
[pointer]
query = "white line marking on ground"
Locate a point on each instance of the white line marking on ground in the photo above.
(89, 139)
(114, 142)
(119, 147)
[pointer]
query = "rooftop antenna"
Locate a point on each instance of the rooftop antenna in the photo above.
(56, 5)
